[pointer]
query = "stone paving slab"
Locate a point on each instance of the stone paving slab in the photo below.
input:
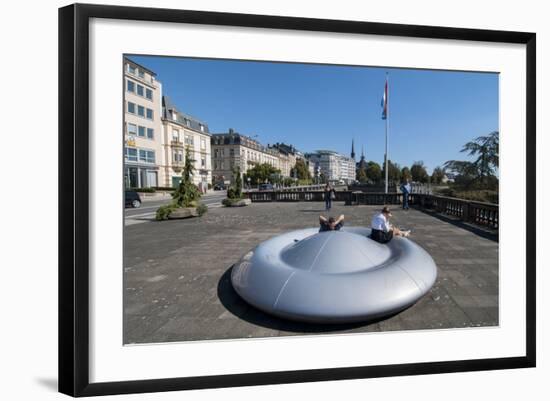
(177, 286)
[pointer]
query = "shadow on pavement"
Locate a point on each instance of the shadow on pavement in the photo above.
(238, 307)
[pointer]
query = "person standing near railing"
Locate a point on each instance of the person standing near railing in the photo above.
(329, 195)
(406, 190)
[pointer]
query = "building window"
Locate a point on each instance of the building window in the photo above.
(201, 127)
(131, 154)
(140, 90)
(177, 156)
(146, 156)
(141, 131)
(232, 153)
(141, 74)
(132, 129)
(175, 135)
(203, 143)
(131, 108)
(130, 86)
(141, 111)
(150, 133)
(131, 69)
(149, 114)
(203, 162)
(149, 94)
(189, 140)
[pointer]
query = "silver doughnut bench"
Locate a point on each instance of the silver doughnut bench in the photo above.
(334, 276)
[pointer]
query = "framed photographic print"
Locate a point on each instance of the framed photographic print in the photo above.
(297, 199)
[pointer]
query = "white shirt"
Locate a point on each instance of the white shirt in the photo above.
(379, 222)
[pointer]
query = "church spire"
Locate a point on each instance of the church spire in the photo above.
(352, 150)
(362, 152)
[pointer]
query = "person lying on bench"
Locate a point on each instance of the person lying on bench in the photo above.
(382, 230)
(331, 224)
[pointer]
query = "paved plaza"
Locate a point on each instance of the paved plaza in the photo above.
(177, 274)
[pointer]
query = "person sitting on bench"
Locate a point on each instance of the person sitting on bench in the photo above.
(331, 224)
(382, 230)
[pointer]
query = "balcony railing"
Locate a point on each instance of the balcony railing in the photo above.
(484, 214)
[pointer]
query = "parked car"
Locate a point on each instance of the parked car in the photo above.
(219, 187)
(132, 199)
(266, 187)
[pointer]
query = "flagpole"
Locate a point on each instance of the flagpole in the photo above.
(387, 127)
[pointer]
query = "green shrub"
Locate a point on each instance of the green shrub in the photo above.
(479, 195)
(231, 193)
(164, 188)
(202, 209)
(164, 211)
(227, 202)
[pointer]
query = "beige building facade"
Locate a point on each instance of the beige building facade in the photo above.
(233, 149)
(181, 131)
(142, 127)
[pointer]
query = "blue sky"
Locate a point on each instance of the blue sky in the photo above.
(432, 113)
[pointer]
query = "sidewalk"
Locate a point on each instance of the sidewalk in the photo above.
(177, 285)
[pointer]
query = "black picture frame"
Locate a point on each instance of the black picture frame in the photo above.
(74, 204)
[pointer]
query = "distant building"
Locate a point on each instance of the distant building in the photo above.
(362, 163)
(333, 166)
(142, 127)
(232, 149)
(287, 157)
(181, 131)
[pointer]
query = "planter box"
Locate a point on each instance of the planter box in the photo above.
(183, 213)
(239, 203)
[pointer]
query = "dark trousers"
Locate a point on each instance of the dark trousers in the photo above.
(381, 236)
(405, 200)
(328, 202)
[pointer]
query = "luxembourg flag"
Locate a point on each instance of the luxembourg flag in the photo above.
(385, 101)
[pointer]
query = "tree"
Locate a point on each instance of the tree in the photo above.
(187, 194)
(480, 172)
(437, 175)
(300, 170)
(261, 173)
(486, 150)
(419, 173)
(394, 172)
(406, 173)
(238, 182)
(373, 172)
(361, 175)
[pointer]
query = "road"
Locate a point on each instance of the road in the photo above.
(148, 209)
